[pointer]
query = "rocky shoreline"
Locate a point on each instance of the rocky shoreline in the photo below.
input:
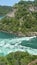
(20, 34)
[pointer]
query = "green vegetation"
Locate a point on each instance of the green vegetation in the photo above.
(17, 58)
(25, 19)
(4, 10)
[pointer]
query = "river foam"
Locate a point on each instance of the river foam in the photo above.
(14, 44)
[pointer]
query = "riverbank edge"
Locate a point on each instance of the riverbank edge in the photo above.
(20, 34)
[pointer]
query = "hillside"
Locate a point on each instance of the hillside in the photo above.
(18, 58)
(22, 20)
(5, 9)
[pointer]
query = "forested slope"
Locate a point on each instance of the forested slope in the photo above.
(4, 10)
(23, 20)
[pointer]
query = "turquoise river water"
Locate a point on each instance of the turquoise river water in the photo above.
(1, 17)
(11, 43)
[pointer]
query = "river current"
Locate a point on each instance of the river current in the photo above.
(11, 43)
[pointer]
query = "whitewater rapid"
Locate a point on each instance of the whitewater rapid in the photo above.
(14, 44)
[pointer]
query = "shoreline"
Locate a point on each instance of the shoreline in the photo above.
(20, 34)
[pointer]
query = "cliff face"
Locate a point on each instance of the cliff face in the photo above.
(33, 8)
(12, 13)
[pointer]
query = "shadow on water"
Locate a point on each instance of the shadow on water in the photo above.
(31, 43)
(4, 35)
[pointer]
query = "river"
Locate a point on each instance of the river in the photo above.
(12, 43)
(1, 17)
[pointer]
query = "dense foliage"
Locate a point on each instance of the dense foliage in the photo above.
(25, 19)
(17, 58)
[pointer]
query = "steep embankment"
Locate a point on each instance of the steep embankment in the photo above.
(22, 20)
(12, 13)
